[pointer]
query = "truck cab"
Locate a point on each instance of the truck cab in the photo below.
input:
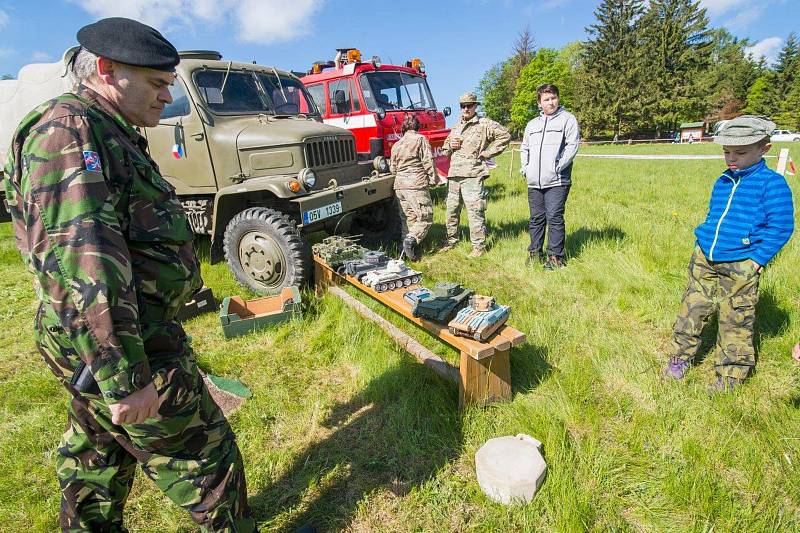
(371, 99)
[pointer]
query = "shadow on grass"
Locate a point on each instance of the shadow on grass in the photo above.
(771, 321)
(529, 367)
(395, 435)
(579, 239)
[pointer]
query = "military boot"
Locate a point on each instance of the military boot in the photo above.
(724, 384)
(448, 245)
(408, 248)
(476, 252)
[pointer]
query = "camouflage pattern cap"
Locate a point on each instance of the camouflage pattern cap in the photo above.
(468, 98)
(130, 42)
(744, 130)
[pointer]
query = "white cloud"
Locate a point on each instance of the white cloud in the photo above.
(719, 7)
(255, 21)
(4, 18)
(768, 48)
(744, 18)
(41, 57)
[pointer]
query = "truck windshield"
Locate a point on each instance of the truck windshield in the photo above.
(395, 90)
(252, 92)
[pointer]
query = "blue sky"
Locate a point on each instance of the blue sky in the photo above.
(457, 39)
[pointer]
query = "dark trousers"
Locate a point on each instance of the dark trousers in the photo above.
(547, 210)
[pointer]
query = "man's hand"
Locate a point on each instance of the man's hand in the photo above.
(137, 407)
(796, 352)
(455, 143)
(758, 267)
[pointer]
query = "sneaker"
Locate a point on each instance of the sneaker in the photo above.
(676, 368)
(408, 248)
(724, 384)
(476, 252)
(554, 262)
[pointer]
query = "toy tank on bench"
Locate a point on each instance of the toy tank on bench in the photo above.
(336, 251)
(480, 319)
(394, 276)
(370, 260)
(447, 298)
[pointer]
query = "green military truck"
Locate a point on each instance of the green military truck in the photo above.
(253, 164)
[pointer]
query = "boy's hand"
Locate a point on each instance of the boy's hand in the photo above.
(796, 352)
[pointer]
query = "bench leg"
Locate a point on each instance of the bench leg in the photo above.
(322, 278)
(484, 381)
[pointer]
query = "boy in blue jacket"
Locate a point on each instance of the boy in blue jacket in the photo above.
(750, 217)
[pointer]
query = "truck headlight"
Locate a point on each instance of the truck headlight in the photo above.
(308, 177)
(380, 164)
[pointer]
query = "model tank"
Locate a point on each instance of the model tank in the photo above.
(370, 260)
(416, 294)
(337, 250)
(447, 299)
(394, 276)
(480, 319)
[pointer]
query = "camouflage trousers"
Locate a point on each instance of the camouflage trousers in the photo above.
(188, 449)
(417, 212)
(732, 290)
(474, 194)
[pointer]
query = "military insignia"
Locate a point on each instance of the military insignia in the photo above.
(177, 151)
(92, 161)
(746, 241)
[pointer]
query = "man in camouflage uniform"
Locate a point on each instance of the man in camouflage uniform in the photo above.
(412, 164)
(111, 252)
(470, 144)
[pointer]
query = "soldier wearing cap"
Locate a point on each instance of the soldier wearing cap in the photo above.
(111, 252)
(471, 143)
(750, 218)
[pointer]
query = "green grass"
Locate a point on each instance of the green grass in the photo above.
(346, 430)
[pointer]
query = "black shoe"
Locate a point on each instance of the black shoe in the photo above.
(554, 263)
(408, 248)
(534, 258)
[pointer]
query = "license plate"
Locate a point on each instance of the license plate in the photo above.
(321, 213)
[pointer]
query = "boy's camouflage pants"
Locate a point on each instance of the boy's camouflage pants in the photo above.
(188, 450)
(417, 212)
(732, 289)
(474, 194)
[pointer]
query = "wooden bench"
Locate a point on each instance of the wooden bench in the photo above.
(484, 372)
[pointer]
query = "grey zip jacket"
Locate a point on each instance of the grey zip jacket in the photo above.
(548, 147)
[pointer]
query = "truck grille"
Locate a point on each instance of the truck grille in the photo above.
(330, 151)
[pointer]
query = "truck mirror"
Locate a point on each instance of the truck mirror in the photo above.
(381, 112)
(447, 111)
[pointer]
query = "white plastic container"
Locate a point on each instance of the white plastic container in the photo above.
(511, 469)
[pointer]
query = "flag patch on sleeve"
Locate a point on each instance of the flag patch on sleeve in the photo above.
(92, 161)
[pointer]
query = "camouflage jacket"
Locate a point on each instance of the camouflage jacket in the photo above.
(481, 139)
(104, 235)
(412, 162)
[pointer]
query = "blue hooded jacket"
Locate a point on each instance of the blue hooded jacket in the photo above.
(750, 216)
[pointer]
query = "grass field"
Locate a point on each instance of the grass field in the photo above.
(347, 431)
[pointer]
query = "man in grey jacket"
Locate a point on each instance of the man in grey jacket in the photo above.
(548, 147)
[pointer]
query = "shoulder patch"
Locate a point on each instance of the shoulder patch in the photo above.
(92, 161)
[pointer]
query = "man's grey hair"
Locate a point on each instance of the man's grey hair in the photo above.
(84, 67)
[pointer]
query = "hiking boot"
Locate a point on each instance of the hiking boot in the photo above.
(476, 252)
(554, 262)
(534, 258)
(724, 384)
(676, 368)
(408, 248)
(448, 246)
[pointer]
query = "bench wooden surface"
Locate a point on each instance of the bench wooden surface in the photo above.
(484, 367)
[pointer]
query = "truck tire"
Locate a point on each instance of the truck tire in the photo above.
(379, 225)
(265, 251)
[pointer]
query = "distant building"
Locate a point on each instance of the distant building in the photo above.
(692, 131)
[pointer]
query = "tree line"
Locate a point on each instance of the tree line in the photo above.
(643, 70)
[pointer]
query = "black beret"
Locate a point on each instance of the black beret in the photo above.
(130, 42)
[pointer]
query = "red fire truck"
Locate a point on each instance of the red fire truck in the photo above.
(371, 99)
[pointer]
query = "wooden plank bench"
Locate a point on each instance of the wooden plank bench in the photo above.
(484, 367)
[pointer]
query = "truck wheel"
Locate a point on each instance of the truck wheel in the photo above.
(265, 251)
(379, 225)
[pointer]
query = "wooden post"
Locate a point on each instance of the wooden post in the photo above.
(484, 381)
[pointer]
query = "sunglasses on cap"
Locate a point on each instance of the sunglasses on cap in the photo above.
(467, 106)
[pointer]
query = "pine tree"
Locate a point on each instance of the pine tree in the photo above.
(676, 46)
(728, 77)
(611, 73)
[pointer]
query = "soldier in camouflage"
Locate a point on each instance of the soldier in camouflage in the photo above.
(111, 252)
(412, 164)
(470, 144)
